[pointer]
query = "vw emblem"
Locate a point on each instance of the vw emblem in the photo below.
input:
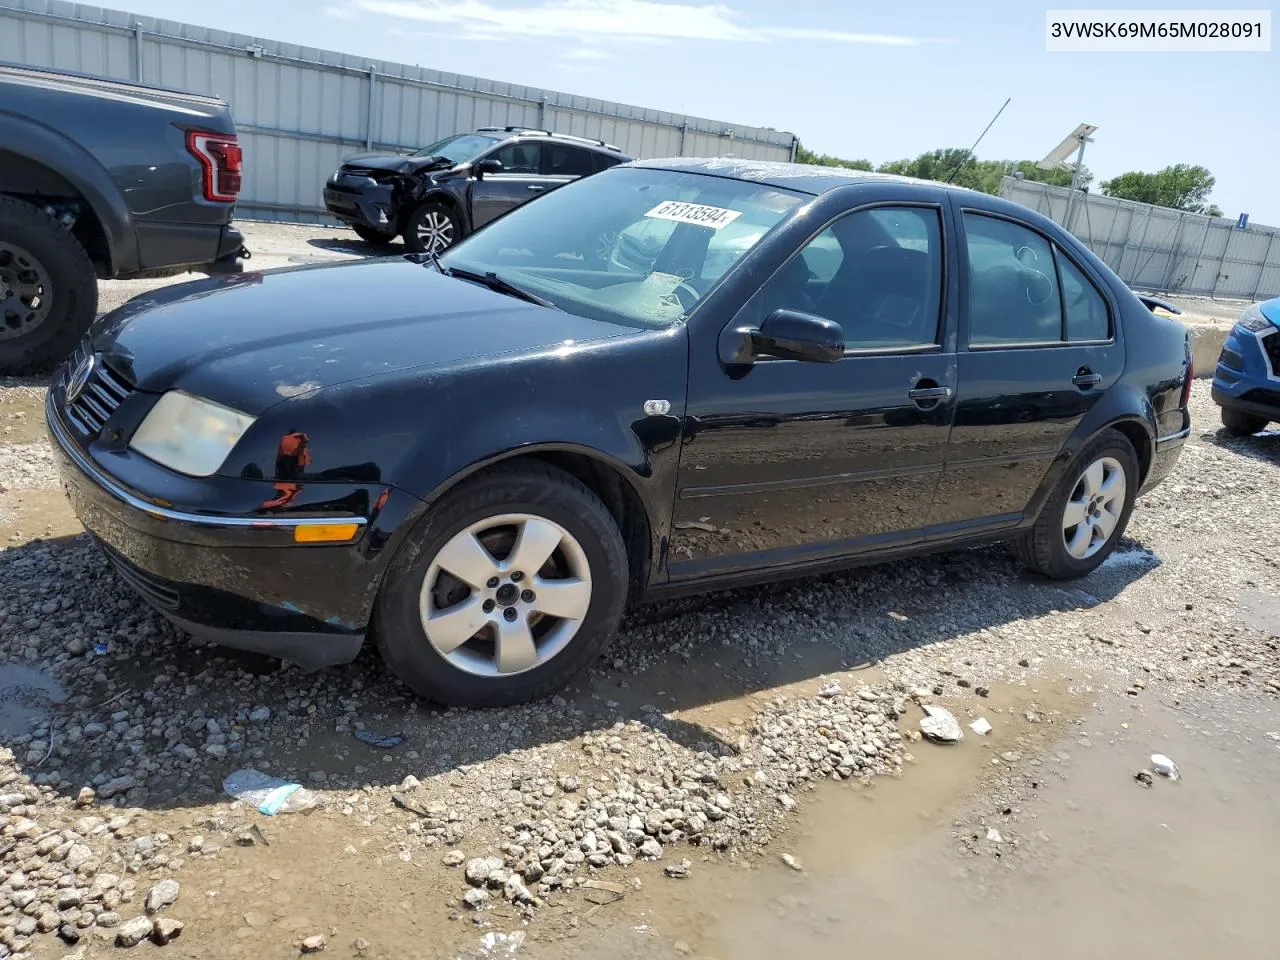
(78, 379)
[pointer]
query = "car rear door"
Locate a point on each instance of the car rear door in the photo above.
(1038, 349)
(521, 180)
(794, 462)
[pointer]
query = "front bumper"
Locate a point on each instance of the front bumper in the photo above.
(1247, 377)
(360, 201)
(239, 580)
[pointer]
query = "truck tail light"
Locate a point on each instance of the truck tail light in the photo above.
(222, 161)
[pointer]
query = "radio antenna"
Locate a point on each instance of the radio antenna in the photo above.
(969, 156)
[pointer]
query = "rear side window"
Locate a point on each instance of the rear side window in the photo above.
(565, 161)
(602, 161)
(1024, 290)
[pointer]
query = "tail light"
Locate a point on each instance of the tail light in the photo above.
(222, 160)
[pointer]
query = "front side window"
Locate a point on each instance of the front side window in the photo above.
(1024, 290)
(519, 157)
(877, 273)
(458, 149)
(633, 245)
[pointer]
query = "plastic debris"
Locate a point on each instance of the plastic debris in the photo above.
(830, 689)
(1165, 767)
(1144, 777)
(981, 726)
(941, 725)
(379, 740)
(502, 944)
(102, 647)
(270, 795)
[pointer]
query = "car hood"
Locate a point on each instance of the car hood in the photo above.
(398, 163)
(1271, 310)
(251, 340)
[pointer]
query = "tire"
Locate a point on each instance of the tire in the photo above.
(1240, 424)
(420, 589)
(374, 237)
(432, 228)
(1044, 548)
(48, 289)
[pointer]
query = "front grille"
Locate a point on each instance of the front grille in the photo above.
(1271, 344)
(1270, 398)
(155, 591)
(101, 395)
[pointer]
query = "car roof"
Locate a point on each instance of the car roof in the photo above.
(517, 133)
(807, 178)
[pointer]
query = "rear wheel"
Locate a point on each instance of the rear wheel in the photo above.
(510, 587)
(432, 228)
(374, 237)
(48, 289)
(1240, 424)
(1085, 516)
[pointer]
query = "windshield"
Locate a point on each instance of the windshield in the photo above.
(458, 149)
(632, 245)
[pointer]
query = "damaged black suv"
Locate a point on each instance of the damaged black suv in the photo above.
(441, 193)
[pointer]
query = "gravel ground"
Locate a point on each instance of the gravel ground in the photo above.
(698, 736)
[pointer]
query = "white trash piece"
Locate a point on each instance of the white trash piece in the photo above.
(270, 795)
(1165, 767)
(981, 726)
(941, 725)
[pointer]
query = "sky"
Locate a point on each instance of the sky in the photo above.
(877, 81)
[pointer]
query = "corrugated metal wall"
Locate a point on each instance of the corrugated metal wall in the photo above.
(1160, 249)
(301, 110)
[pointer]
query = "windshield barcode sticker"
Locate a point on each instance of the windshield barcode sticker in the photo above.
(695, 213)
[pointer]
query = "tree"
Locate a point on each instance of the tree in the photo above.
(1181, 186)
(805, 155)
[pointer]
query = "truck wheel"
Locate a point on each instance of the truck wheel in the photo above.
(374, 237)
(432, 228)
(48, 289)
(1084, 518)
(508, 588)
(1239, 424)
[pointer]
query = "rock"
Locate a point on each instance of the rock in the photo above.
(453, 858)
(994, 835)
(163, 894)
(78, 856)
(260, 714)
(195, 845)
(1144, 777)
(133, 932)
(793, 862)
(678, 871)
(410, 783)
(85, 797)
(255, 918)
(117, 786)
(651, 849)
(108, 919)
(479, 870)
(787, 802)
(312, 944)
(165, 929)
(982, 691)
(941, 725)
(1011, 756)
(67, 933)
(76, 646)
(476, 897)
(515, 890)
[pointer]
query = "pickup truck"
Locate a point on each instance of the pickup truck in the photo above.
(103, 179)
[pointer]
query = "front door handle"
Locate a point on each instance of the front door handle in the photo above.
(919, 394)
(1086, 379)
(536, 188)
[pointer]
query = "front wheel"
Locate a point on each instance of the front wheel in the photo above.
(375, 238)
(432, 228)
(1239, 424)
(1085, 516)
(508, 588)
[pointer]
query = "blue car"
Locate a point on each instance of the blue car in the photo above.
(1246, 384)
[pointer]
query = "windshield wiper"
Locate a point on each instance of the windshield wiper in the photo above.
(494, 282)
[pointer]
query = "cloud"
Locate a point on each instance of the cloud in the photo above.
(611, 19)
(584, 53)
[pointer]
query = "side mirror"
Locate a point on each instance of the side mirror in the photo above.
(488, 166)
(787, 335)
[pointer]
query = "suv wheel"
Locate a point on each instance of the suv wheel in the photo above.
(507, 589)
(432, 228)
(1085, 516)
(48, 289)
(1239, 424)
(373, 237)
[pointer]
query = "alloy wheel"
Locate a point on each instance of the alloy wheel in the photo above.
(26, 294)
(435, 231)
(505, 594)
(1094, 508)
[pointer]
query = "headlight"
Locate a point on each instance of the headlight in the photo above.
(1253, 320)
(189, 435)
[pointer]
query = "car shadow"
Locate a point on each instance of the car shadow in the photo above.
(1263, 446)
(689, 670)
(353, 244)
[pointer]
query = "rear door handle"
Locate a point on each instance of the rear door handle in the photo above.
(929, 393)
(536, 188)
(1086, 378)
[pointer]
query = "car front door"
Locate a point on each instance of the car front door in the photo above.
(790, 461)
(521, 179)
(1039, 348)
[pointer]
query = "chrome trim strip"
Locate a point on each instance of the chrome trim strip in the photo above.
(177, 516)
(1180, 435)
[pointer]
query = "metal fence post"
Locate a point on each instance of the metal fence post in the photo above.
(542, 114)
(684, 129)
(795, 143)
(1173, 254)
(373, 90)
(1222, 261)
(137, 52)
(1266, 259)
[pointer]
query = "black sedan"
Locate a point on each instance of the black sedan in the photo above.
(478, 459)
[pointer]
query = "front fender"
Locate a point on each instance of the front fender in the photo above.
(41, 144)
